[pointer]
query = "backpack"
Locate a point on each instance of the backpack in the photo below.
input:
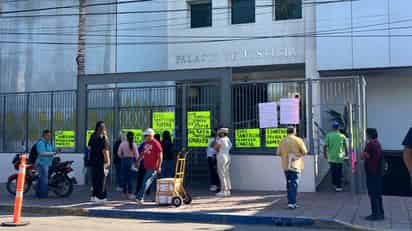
(33, 154)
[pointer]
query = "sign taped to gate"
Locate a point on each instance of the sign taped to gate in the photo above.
(198, 125)
(137, 134)
(274, 136)
(163, 121)
(64, 139)
(89, 134)
(247, 138)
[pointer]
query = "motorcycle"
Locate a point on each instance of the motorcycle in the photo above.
(60, 181)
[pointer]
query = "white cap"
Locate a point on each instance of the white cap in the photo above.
(149, 132)
(223, 130)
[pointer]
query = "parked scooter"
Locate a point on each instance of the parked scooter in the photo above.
(60, 181)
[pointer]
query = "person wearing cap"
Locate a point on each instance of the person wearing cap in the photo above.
(152, 154)
(291, 150)
(223, 146)
(335, 150)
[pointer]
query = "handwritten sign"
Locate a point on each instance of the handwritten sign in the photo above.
(268, 115)
(163, 121)
(274, 136)
(89, 134)
(137, 133)
(198, 125)
(64, 139)
(247, 138)
(289, 111)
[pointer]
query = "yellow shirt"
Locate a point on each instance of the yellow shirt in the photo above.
(292, 145)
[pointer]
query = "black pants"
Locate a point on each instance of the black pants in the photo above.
(336, 170)
(214, 177)
(99, 182)
(374, 185)
(140, 178)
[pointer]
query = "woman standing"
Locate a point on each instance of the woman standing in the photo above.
(169, 157)
(373, 158)
(128, 154)
(212, 163)
(99, 160)
(223, 147)
(117, 162)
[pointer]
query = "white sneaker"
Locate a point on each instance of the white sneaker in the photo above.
(119, 189)
(221, 194)
(213, 188)
(227, 194)
(101, 201)
(292, 206)
(339, 189)
(139, 202)
(93, 199)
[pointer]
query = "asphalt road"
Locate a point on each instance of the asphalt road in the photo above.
(66, 223)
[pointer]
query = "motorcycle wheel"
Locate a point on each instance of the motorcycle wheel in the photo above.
(63, 186)
(12, 184)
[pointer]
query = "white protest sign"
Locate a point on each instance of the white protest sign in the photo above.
(289, 111)
(268, 115)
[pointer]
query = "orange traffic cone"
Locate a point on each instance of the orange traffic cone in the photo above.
(19, 195)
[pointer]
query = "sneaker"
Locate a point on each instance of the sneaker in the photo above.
(101, 201)
(292, 206)
(119, 189)
(139, 202)
(221, 194)
(93, 199)
(338, 189)
(213, 188)
(227, 194)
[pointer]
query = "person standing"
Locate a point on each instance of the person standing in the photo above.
(407, 152)
(212, 163)
(128, 154)
(373, 158)
(44, 160)
(223, 147)
(152, 160)
(117, 162)
(291, 150)
(99, 160)
(335, 151)
(169, 156)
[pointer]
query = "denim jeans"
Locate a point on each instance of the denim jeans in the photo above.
(118, 167)
(42, 188)
(292, 181)
(149, 177)
(374, 185)
(168, 168)
(337, 173)
(127, 174)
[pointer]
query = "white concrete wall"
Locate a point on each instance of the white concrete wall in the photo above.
(264, 173)
(6, 168)
(389, 107)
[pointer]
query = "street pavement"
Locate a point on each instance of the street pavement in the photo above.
(69, 223)
(346, 207)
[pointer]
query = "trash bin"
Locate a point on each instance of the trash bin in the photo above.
(396, 180)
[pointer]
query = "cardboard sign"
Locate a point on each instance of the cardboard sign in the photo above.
(137, 133)
(268, 115)
(64, 139)
(247, 138)
(198, 125)
(274, 136)
(289, 111)
(163, 121)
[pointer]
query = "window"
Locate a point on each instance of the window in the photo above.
(200, 15)
(288, 9)
(243, 11)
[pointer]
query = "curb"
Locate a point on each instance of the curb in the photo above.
(192, 217)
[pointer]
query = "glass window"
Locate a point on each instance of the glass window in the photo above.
(288, 9)
(201, 15)
(243, 11)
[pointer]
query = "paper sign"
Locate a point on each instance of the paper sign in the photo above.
(89, 134)
(274, 136)
(137, 133)
(64, 139)
(247, 138)
(198, 125)
(268, 115)
(163, 121)
(289, 111)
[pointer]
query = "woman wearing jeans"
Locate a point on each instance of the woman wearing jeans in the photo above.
(223, 147)
(128, 154)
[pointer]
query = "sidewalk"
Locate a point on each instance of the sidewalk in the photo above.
(343, 207)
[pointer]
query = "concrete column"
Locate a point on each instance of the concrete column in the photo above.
(225, 85)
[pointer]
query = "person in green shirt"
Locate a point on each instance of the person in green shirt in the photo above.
(335, 151)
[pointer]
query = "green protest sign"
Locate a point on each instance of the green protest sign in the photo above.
(89, 134)
(274, 136)
(198, 125)
(64, 139)
(163, 121)
(247, 138)
(137, 133)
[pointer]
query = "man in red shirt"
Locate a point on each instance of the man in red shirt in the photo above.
(152, 156)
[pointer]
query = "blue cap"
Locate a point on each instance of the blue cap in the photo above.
(335, 125)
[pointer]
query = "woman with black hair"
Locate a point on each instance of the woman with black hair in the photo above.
(128, 154)
(373, 158)
(99, 160)
(169, 156)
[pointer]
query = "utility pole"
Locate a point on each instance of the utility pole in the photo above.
(81, 71)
